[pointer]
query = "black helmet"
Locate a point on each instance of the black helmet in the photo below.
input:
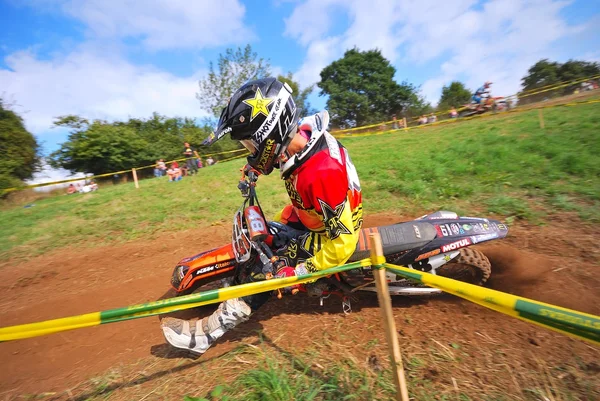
(262, 116)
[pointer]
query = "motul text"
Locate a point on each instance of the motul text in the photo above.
(456, 245)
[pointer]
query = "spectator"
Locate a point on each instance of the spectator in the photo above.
(423, 120)
(200, 163)
(174, 172)
(157, 170)
(432, 118)
(162, 166)
(71, 189)
(453, 113)
(90, 186)
(210, 161)
(394, 122)
(189, 153)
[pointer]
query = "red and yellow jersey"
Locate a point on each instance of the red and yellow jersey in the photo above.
(326, 198)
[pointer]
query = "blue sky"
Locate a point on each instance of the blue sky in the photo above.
(115, 59)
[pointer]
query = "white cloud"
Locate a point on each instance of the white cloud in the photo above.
(318, 55)
(515, 35)
(497, 40)
(159, 24)
(95, 86)
(371, 26)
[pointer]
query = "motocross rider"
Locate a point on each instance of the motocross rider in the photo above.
(481, 95)
(325, 214)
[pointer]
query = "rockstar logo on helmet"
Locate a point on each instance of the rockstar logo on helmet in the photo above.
(259, 104)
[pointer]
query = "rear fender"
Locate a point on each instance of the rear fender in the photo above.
(454, 234)
(206, 266)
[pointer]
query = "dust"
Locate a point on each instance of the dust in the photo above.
(555, 280)
(514, 271)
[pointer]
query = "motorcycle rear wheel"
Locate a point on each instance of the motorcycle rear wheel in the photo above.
(471, 266)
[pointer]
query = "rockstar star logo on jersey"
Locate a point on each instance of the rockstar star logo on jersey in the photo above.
(259, 104)
(332, 219)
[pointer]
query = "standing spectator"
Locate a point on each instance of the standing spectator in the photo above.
(453, 112)
(189, 153)
(394, 123)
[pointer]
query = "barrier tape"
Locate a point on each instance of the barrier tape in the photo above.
(530, 92)
(559, 83)
(164, 306)
(456, 120)
(116, 172)
(575, 324)
(234, 157)
(193, 157)
(519, 95)
(340, 133)
(550, 89)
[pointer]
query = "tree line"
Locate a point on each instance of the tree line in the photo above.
(360, 86)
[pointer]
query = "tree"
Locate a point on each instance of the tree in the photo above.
(541, 74)
(362, 90)
(99, 147)
(19, 149)
(454, 95)
(545, 73)
(235, 68)
(300, 96)
(102, 147)
(574, 70)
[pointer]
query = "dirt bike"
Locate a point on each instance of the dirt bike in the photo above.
(494, 104)
(437, 243)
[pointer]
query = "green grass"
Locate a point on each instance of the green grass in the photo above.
(504, 165)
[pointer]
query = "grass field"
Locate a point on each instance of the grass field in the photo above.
(504, 165)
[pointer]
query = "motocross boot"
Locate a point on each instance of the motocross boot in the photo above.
(197, 336)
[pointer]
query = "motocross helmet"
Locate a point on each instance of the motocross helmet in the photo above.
(262, 116)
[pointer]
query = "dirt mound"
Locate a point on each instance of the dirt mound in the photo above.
(536, 262)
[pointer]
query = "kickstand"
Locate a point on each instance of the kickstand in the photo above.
(346, 305)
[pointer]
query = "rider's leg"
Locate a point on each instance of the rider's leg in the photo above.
(197, 336)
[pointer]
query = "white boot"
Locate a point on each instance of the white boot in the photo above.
(198, 336)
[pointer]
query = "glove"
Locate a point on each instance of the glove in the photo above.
(288, 271)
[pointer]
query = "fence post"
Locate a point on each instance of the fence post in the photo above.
(541, 118)
(385, 305)
(135, 180)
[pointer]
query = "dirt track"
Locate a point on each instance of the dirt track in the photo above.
(557, 263)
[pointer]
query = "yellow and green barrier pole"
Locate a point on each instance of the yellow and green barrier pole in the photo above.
(576, 324)
(164, 306)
